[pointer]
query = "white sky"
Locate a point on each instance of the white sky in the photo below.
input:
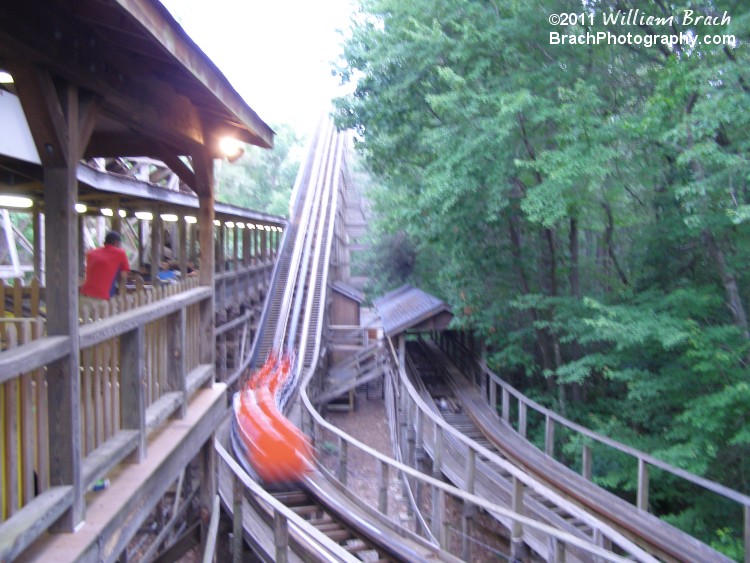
(276, 53)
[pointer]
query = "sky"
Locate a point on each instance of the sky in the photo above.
(277, 54)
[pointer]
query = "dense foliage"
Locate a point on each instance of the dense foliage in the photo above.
(262, 179)
(584, 208)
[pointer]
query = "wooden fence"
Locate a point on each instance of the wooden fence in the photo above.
(153, 333)
(511, 401)
(148, 335)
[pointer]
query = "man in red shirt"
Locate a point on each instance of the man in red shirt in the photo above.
(103, 266)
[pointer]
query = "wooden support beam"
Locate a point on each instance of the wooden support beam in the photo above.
(132, 391)
(45, 115)
(176, 368)
(157, 243)
(176, 165)
(38, 243)
(60, 194)
(205, 188)
(237, 524)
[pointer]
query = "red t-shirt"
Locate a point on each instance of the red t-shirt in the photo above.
(102, 266)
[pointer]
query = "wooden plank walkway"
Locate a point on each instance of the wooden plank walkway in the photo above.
(113, 516)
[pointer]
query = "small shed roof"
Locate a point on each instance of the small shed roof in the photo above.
(410, 308)
(348, 291)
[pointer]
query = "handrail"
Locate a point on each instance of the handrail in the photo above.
(244, 270)
(462, 495)
(100, 331)
(324, 544)
(713, 486)
(517, 473)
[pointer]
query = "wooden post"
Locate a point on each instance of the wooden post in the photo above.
(207, 476)
(467, 518)
(383, 488)
(246, 246)
(116, 220)
(132, 393)
(642, 497)
(81, 251)
(506, 405)
(549, 436)
(556, 551)
(176, 369)
(237, 527)
(141, 242)
(60, 195)
(157, 245)
(586, 462)
(281, 536)
(192, 246)
(205, 188)
(343, 452)
(264, 245)
(182, 245)
(517, 548)
(235, 248)
(493, 392)
(38, 243)
(746, 534)
(522, 418)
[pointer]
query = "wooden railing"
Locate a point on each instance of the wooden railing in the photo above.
(348, 337)
(139, 364)
(490, 383)
(238, 294)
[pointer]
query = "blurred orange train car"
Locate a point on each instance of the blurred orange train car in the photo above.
(273, 447)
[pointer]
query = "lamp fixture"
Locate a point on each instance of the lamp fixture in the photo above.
(122, 213)
(217, 222)
(19, 202)
(169, 217)
(240, 225)
(190, 219)
(107, 212)
(144, 215)
(229, 224)
(81, 208)
(231, 147)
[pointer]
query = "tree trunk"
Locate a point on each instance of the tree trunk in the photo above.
(516, 249)
(575, 274)
(734, 299)
(610, 244)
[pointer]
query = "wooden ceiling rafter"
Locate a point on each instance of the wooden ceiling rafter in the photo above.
(143, 88)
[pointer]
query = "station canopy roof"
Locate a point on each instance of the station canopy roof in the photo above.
(411, 309)
(145, 88)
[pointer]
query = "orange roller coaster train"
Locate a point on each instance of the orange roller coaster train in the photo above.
(275, 449)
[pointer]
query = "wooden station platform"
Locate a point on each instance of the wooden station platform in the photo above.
(114, 515)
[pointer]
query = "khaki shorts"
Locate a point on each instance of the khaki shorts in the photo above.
(90, 308)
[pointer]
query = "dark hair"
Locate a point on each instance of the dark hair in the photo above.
(112, 237)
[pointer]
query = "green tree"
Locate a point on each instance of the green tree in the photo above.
(584, 209)
(262, 179)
